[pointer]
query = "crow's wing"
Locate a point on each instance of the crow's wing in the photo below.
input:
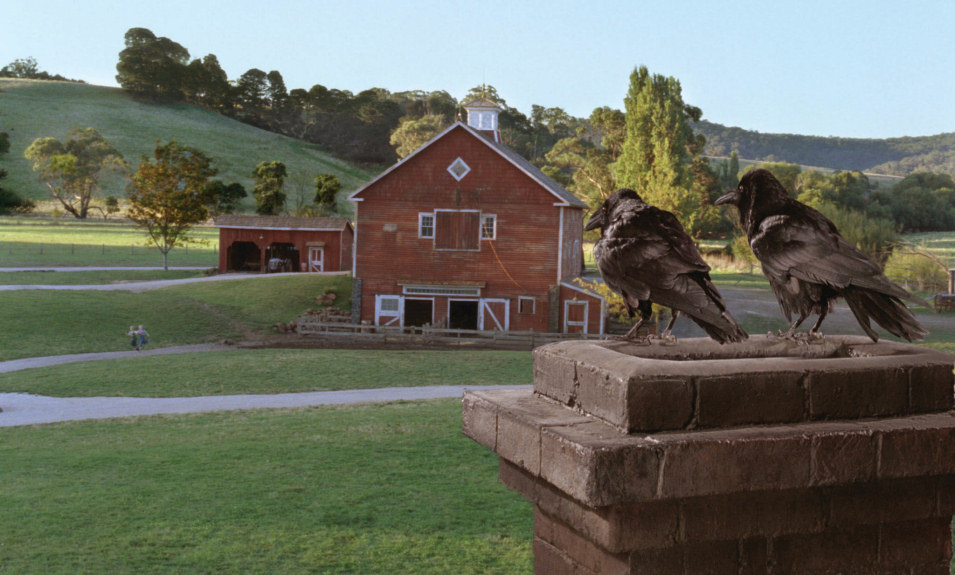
(799, 245)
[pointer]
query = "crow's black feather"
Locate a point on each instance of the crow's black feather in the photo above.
(645, 255)
(809, 264)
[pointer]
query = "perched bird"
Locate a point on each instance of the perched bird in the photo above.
(810, 265)
(645, 255)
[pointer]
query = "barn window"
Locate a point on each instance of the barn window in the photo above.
(458, 169)
(526, 305)
(457, 230)
(425, 225)
(488, 227)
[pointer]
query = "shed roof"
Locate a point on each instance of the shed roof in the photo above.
(281, 222)
(565, 198)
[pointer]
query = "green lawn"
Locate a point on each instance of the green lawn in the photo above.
(271, 371)
(388, 488)
(38, 242)
(97, 277)
(44, 322)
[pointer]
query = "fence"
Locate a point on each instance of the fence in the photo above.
(370, 333)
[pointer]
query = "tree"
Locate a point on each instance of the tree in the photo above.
(222, 198)
(326, 187)
(21, 68)
(412, 133)
(269, 181)
(10, 201)
(611, 127)
(656, 157)
(251, 96)
(166, 195)
(72, 169)
(151, 67)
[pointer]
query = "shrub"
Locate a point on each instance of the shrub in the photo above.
(916, 269)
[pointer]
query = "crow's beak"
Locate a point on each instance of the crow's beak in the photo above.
(595, 221)
(731, 197)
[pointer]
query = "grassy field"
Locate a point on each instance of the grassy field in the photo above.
(391, 488)
(272, 371)
(42, 322)
(38, 242)
(134, 127)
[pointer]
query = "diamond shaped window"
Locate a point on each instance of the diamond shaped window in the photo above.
(459, 169)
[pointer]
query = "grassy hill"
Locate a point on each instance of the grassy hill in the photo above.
(30, 109)
(891, 157)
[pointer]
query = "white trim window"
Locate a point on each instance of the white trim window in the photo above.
(426, 225)
(526, 305)
(488, 226)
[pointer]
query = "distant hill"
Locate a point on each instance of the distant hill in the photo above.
(31, 109)
(893, 156)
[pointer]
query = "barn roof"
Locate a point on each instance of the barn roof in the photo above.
(565, 198)
(281, 222)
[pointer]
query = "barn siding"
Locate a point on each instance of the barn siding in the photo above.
(338, 244)
(525, 259)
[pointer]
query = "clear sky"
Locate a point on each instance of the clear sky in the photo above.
(853, 68)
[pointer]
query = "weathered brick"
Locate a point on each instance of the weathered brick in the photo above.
(931, 388)
(854, 394)
(479, 420)
(555, 375)
(917, 445)
(750, 398)
(841, 455)
(711, 558)
(745, 515)
(668, 561)
(603, 394)
(548, 559)
(918, 546)
(882, 502)
(854, 552)
(731, 461)
(578, 549)
(659, 404)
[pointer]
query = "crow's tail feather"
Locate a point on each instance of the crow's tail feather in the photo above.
(886, 310)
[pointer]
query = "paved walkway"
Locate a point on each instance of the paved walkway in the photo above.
(27, 409)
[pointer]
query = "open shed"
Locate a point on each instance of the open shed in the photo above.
(284, 244)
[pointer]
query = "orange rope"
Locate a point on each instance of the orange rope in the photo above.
(503, 268)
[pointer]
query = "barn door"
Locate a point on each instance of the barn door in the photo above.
(388, 310)
(316, 259)
(575, 316)
(495, 315)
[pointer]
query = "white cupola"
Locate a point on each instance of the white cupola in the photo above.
(482, 115)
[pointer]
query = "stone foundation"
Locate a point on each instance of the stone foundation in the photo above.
(769, 456)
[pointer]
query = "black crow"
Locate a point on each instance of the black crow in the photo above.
(645, 255)
(810, 265)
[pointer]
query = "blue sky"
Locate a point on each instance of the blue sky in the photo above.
(867, 69)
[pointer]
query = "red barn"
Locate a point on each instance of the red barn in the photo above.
(282, 243)
(466, 234)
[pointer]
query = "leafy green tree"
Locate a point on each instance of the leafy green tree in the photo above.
(268, 190)
(611, 129)
(10, 201)
(326, 188)
(251, 96)
(72, 169)
(151, 67)
(208, 85)
(412, 133)
(656, 157)
(167, 195)
(222, 198)
(21, 68)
